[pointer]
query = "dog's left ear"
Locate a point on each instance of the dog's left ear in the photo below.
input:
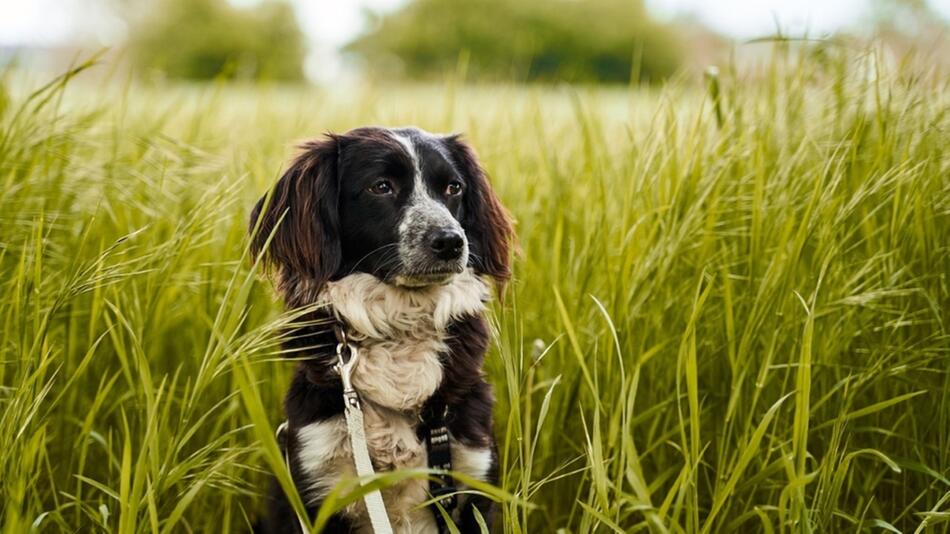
(486, 222)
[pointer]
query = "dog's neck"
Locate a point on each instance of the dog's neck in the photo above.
(375, 311)
(401, 333)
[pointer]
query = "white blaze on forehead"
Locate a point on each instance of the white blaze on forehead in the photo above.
(422, 213)
(410, 147)
(420, 193)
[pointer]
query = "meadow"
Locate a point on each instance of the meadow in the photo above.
(730, 309)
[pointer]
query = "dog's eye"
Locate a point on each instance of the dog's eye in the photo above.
(382, 187)
(454, 189)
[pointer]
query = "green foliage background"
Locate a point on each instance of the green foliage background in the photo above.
(729, 314)
(524, 40)
(204, 39)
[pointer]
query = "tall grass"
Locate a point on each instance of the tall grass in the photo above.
(730, 313)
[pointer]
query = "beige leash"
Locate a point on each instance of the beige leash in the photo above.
(354, 427)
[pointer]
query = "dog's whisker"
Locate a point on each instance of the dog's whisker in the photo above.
(370, 253)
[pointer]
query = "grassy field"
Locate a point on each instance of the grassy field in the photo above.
(727, 315)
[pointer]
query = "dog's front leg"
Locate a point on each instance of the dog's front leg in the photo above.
(487, 508)
(475, 454)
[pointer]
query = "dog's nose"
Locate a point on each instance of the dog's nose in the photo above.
(447, 244)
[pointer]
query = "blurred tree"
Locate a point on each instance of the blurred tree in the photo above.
(572, 40)
(913, 32)
(904, 16)
(202, 39)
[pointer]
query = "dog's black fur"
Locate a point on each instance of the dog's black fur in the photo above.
(327, 218)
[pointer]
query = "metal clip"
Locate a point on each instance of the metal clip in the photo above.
(345, 365)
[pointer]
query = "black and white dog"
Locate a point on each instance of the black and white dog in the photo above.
(398, 233)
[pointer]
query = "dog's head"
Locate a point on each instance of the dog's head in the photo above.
(407, 206)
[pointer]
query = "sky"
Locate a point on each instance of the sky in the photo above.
(331, 23)
(753, 18)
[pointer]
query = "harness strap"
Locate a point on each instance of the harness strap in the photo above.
(438, 449)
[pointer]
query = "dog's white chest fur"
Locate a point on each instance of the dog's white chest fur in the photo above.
(400, 334)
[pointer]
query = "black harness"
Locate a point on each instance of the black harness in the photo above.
(436, 435)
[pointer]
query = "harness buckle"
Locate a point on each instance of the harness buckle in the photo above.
(444, 495)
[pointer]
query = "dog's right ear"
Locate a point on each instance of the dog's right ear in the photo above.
(296, 225)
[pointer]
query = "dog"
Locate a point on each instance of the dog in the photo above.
(397, 236)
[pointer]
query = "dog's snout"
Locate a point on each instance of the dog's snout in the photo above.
(447, 244)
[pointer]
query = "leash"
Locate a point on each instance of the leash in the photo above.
(357, 432)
